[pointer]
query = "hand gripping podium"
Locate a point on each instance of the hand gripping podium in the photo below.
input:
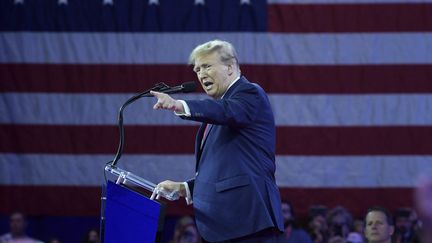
(129, 216)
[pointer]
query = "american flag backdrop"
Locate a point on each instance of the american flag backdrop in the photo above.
(350, 83)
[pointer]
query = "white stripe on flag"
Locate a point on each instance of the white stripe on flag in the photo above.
(351, 171)
(253, 48)
(289, 110)
(52, 169)
(321, 171)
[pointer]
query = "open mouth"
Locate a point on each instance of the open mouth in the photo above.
(208, 85)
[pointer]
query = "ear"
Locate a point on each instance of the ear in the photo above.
(230, 69)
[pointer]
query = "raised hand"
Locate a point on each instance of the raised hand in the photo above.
(166, 102)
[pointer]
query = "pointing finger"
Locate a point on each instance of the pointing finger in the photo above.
(154, 93)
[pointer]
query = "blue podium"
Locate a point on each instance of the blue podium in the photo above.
(126, 215)
(129, 215)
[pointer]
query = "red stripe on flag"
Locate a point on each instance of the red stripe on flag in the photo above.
(394, 140)
(373, 17)
(89, 77)
(85, 201)
(96, 139)
(313, 79)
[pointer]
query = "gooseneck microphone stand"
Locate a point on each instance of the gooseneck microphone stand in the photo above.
(124, 176)
(158, 87)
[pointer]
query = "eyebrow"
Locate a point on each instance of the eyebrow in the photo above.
(202, 65)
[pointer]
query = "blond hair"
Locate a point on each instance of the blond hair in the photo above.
(225, 49)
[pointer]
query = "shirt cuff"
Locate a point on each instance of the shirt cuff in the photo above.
(188, 194)
(186, 109)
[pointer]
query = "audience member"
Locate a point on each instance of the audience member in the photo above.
(17, 234)
(404, 226)
(358, 229)
(293, 233)
(424, 207)
(416, 223)
(91, 236)
(358, 226)
(185, 231)
(339, 222)
(317, 223)
(379, 226)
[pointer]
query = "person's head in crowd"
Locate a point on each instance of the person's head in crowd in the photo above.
(91, 236)
(17, 229)
(358, 226)
(339, 222)
(216, 66)
(406, 225)
(317, 223)
(423, 199)
(287, 212)
(189, 234)
(293, 232)
(17, 224)
(403, 220)
(185, 231)
(379, 226)
(354, 237)
(416, 222)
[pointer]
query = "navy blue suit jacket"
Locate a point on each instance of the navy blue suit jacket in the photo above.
(234, 192)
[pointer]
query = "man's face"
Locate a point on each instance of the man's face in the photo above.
(214, 76)
(17, 224)
(377, 229)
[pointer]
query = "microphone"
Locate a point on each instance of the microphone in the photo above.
(186, 87)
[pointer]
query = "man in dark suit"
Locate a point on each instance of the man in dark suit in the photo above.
(234, 193)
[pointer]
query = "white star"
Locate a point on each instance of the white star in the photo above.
(198, 2)
(108, 2)
(244, 2)
(18, 1)
(153, 2)
(62, 2)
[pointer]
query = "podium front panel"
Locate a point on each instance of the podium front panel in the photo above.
(129, 216)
